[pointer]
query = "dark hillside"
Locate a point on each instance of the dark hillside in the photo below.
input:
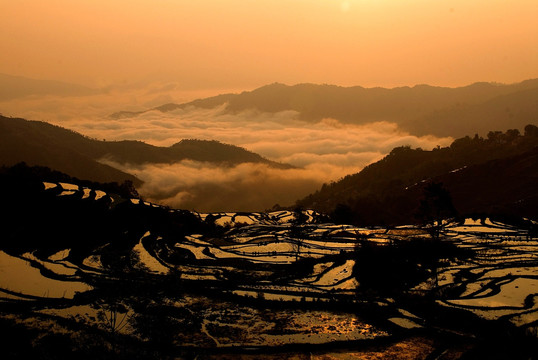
(40, 143)
(498, 174)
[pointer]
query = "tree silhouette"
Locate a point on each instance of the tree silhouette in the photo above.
(435, 207)
(297, 231)
(531, 130)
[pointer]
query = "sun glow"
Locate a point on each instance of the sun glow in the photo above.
(353, 42)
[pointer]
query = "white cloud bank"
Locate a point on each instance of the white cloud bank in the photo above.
(324, 151)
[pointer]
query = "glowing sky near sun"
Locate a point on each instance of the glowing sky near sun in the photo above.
(238, 44)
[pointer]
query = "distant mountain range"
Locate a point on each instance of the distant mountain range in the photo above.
(40, 143)
(12, 87)
(497, 175)
(421, 109)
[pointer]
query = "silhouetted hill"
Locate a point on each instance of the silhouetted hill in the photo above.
(421, 109)
(40, 143)
(494, 175)
(12, 87)
(137, 152)
(515, 110)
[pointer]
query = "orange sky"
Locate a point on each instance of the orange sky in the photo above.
(242, 44)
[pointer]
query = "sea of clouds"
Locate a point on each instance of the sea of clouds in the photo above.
(322, 152)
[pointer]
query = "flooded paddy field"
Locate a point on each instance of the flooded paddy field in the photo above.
(139, 280)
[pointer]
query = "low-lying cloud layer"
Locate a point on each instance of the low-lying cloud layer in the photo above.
(207, 187)
(323, 151)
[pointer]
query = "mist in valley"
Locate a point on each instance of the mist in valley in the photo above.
(320, 152)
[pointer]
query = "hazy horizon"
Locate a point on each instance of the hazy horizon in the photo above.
(215, 46)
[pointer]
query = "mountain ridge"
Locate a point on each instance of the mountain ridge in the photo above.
(30, 142)
(412, 108)
(44, 144)
(494, 175)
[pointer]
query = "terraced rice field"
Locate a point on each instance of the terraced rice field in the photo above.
(264, 280)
